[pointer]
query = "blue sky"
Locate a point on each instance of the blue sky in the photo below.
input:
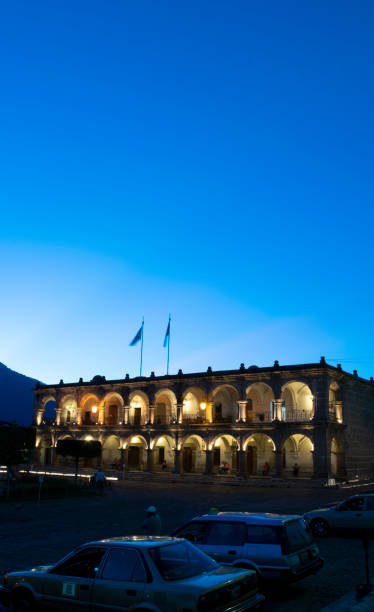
(209, 159)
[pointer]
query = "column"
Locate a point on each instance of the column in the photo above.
(321, 453)
(277, 409)
(149, 460)
(242, 410)
(208, 462)
(241, 467)
(53, 455)
(177, 461)
(209, 412)
(180, 412)
(58, 416)
(278, 458)
(151, 413)
(126, 415)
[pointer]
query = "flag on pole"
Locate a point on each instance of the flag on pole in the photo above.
(138, 337)
(167, 334)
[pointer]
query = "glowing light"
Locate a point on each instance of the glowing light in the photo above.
(88, 438)
(203, 405)
(135, 440)
(67, 475)
(94, 409)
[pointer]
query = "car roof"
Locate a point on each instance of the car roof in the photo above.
(137, 540)
(255, 518)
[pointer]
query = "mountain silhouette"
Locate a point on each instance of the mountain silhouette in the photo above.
(16, 397)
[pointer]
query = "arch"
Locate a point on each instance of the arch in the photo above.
(139, 408)
(111, 453)
(136, 452)
(89, 409)
(336, 458)
(45, 450)
(68, 410)
(259, 455)
(194, 405)
(163, 447)
(225, 449)
(297, 456)
(113, 408)
(225, 404)
(335, 402)
(193, 455)
(259, 396)
(165, 409)
(297, 401)
(49, 411)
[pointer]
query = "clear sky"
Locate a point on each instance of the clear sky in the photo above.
(211, 159)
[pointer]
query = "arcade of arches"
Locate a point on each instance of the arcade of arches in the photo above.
(291, 425)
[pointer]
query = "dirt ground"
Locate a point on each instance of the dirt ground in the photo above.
(32, 534)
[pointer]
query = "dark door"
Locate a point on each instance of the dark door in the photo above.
(112, 415)
(187, 459)
(134, 457)
(137, 416)
(216, 457)
(251, 460)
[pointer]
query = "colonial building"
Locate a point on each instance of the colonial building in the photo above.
(259, 421)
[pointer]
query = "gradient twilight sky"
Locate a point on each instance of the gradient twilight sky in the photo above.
(211, 159)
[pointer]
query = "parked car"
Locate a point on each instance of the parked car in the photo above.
(276, 546)
(138, 573)
(356, 512)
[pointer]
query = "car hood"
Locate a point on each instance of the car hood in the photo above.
(37, 568)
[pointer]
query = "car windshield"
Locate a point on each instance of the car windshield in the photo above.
(181, 560)
(298, 535)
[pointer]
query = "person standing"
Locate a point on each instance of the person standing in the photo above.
(152, 523)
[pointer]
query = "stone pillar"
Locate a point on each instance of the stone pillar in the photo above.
(53, 455)
(152, 413)
(321, 453)
(149, 460)
(177, 461)
(277, 409)
(320, 390)
(209, 412)
(123, 457)
(180, 412)
(126, 415)
(242, 410)
(58, 416)
(241, 467)
(36, 458)
(278, 467)
(208, 462)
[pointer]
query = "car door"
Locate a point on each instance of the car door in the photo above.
(350, 514)
(369, 522)
(121, 582)
(225, 540)
(68, 585)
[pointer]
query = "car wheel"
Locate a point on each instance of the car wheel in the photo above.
(320, 527)
(23, 602)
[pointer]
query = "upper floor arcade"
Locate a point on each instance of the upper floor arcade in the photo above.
(245, 396)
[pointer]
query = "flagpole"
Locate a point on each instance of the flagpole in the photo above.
(167, 366)
(141, 349)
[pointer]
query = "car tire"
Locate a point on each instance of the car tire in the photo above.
(319, 527)
(23, 602)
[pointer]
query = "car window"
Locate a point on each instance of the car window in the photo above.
(296, 535)
(259, 534)
(181, 560)
(355, 503)
(124, 564)
(227, 534)
(83, 564)
(194, 532)
(370, 503)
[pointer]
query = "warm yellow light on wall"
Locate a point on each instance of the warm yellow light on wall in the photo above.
(203, 405)
(88, 438)
(94, 409)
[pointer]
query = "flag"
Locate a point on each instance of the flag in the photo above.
(167, 334)
(137, 337)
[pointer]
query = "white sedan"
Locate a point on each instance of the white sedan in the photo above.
(356, 512)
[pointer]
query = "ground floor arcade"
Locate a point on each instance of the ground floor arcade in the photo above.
(255, 454)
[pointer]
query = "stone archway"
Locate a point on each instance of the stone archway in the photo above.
(89, 410)
(225, 454)
(68, 410)
(139, 408)
(194, 405)
(111, 453)
(45, 451)
(259, 455)
(297, 402)
(136, 454)
(225, 404)
(163, 453)
(259, 398)
(165, 409)
(193, 456)
(297, 456)
(50, 412)
(113, 409)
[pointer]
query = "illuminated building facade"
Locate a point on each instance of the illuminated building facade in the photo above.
(258, 421)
